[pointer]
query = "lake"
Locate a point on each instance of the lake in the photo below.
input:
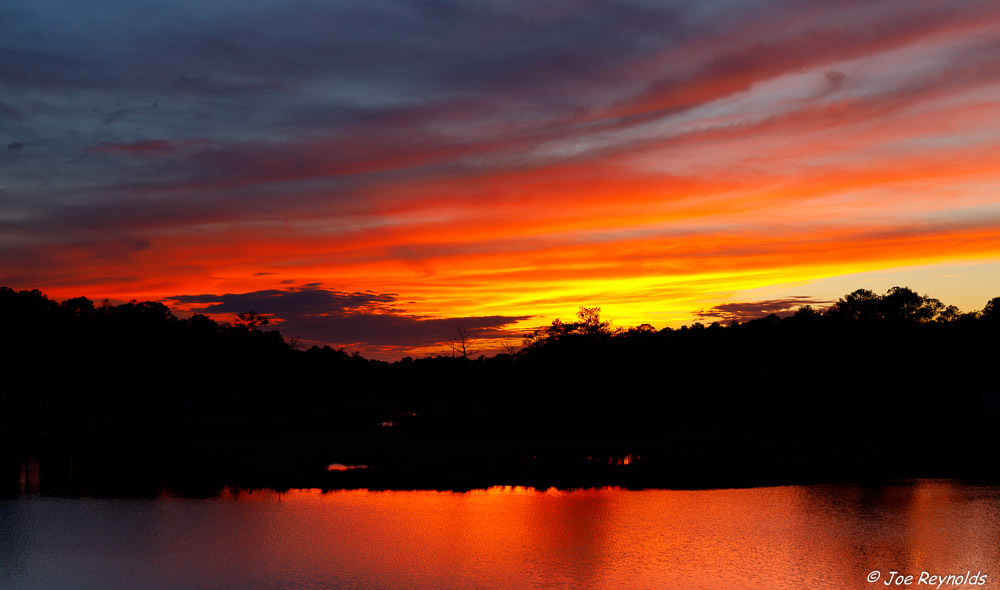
(815, 536)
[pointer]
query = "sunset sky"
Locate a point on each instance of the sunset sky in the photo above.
(374, 174)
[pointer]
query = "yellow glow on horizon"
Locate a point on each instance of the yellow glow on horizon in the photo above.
(762, 184)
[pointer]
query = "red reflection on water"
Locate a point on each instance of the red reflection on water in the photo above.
(617, 459)
(342, 467)
(518, 537)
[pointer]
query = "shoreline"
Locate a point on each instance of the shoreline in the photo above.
(151, 462)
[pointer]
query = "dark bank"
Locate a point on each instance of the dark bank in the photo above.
(131, 400)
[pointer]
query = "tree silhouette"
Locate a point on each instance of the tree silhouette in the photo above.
(463, 342)
(135, 363)
(902, 303)
(949, 314)
(590, 323)
(898, 304)
(992, 310)
(250, 321)
(861, 304)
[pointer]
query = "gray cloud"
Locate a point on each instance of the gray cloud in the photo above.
(141, 117)
(336, 91)
(745, 311)
(363, 320)
(303, 301)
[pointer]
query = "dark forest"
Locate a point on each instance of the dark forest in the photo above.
(875, 386)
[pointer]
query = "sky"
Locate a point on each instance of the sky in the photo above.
(375, 175)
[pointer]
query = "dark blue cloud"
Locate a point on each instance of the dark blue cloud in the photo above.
(344, 95)
(364, 320)
(750, 310)
(304, 301)
(129, 120)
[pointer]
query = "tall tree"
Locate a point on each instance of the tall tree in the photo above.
(250, 320)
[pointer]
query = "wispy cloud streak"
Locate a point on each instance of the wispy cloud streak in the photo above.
(478, 158)
(368, 322)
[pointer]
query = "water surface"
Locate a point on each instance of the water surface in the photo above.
(825, 536)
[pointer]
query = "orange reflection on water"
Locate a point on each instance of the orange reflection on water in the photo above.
(519, 537)
(949, 534)
(342, 467)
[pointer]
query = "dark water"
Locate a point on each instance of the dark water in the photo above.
(829, 536)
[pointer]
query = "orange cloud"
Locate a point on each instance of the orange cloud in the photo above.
(654, 182)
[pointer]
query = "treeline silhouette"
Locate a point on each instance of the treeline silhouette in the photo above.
(873, 372)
